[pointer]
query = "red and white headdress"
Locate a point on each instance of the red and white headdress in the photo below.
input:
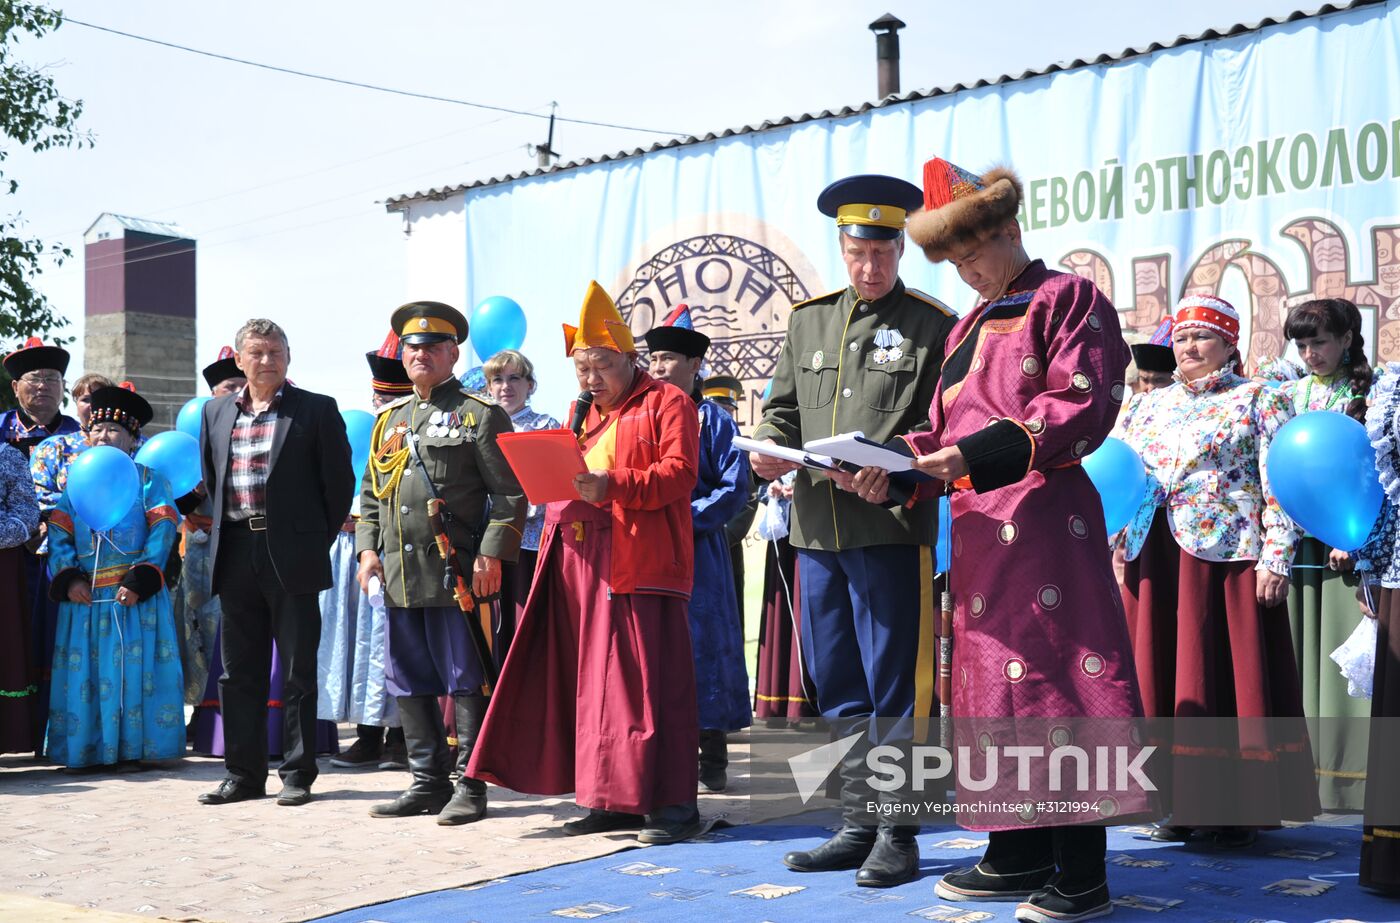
(1206, 311)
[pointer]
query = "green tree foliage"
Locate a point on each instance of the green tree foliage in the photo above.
(35, 116)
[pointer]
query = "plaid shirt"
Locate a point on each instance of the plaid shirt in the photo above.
(250, 458)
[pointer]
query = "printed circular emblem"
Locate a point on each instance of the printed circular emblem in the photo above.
(1093, 322)
(1116, 393)
(1060, 736)
(1030, 366)
(1015, 669)
(1049, 596)
(1092, 664)
(1079, 447)
(1108, 807)
(1036, 425)
(1007, 533)
(976, 365)
(1027, 813)
(818, 358)
(957, 546)
(1080, 381)
(984, 742)
(979, 605)
(1078, 527)
(875, 214)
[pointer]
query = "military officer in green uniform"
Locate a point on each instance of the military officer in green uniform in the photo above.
(867, 359)
(439, 442)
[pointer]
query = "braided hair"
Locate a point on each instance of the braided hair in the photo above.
(1338, 317)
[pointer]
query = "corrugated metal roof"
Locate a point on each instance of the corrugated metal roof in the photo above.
(107, 222)
(438, 193)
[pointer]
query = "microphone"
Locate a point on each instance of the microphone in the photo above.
(585, 401)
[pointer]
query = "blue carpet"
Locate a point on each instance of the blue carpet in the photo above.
(1298, 875)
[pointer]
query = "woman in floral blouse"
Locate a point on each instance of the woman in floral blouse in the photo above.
(510, 380)
(1208, 561)
(1322, 605)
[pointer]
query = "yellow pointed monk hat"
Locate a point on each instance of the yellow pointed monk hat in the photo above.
(599, 325)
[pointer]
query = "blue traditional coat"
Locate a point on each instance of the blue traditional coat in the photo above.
(721, 490)
(117, 686)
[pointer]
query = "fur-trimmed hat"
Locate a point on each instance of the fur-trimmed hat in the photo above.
(961, 208)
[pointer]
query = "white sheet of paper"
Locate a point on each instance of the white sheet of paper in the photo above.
(848, 448)
(798, 456)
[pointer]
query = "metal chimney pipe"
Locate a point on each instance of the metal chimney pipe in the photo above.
(886, 30)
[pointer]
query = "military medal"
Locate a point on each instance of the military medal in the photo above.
(454, 433)
(435, 418)
(888, 341)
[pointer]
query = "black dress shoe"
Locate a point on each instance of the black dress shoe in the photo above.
(670, 826)
(293, 795)
(893, 861)
(1168, 833)
(598, 821)
(848, 849)
(231, 790)
(979, 884)
(1235, 837)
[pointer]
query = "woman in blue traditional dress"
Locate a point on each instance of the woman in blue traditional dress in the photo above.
(117, 686)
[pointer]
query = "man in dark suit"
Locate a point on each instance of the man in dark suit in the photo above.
(277, 465)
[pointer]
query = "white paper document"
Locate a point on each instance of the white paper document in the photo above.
(798, 456)
(856, 449)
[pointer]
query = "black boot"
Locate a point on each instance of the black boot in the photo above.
(1016, 866)
(714, 759)
(852, 844)
(469, 799)
(428, 760)
(894, 859)
(1079, 890)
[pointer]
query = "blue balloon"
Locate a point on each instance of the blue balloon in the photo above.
(497, 323)
(359, 426)
(945, 536)
(175, 455)
(474, 379)
(1118, 473)
(188, 420)
(1323, 472)
(102, 486)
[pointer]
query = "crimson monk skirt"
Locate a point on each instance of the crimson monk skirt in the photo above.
(784, 689)
(597, 696)
(1380, 843)
(1206, 648)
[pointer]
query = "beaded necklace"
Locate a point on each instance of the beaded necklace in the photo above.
(1336, 395)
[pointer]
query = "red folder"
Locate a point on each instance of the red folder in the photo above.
(545, 461)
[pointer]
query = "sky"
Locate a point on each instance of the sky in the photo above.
(281, 179)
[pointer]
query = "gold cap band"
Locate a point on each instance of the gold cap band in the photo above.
(885, 216)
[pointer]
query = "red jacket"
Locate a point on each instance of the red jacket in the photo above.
(658, 450)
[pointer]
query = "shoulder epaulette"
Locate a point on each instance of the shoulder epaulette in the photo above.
(480, 398)
(929, 299)
(819, 298)
(397, 402)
